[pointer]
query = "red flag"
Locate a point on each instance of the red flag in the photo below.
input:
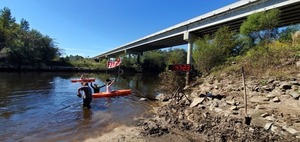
(113, 64)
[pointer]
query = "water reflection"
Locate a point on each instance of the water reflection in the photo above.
(44, 106)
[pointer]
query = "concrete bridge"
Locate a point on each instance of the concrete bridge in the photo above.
(184, 33)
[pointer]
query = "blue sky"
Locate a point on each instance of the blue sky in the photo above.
(91, 27)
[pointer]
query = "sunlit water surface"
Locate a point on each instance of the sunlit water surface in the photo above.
(44, 106)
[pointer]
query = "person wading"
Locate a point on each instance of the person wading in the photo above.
(96, 88)
(87, 97)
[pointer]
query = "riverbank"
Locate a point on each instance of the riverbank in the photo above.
(213, 109)
(23, 68)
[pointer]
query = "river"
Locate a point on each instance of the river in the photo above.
(44, 106)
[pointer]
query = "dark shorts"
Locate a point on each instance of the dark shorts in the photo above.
(87, 102)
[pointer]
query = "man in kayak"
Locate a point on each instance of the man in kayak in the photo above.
(87, 97)
(108, 85)
(96, 88)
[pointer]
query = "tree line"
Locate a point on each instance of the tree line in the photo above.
(258, 44)
(21, 45)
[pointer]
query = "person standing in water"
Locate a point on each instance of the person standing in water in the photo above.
(87, 98)
(108, 85)
(96, 88)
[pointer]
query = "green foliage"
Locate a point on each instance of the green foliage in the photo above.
(176, 56)
(128, 61)
(153, 61)
(170, 81)
(21, 45)
(210, 52)
(263, 82)
(261, 26)
(85, 63)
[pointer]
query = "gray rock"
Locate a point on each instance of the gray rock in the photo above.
(267, 88)
(195, 93)
(295, 87)
(218, 110)
(271, 80)
(231, 102)
(143, 99)
(290, 130)
(271, 95)
(275, 129)
(295, 94)
(201, 106)
(270, 118)
(196, 101)
(276, 99)
(285, 86)
(257, 89)
(298, 64)
(295, 83)
(234, 108)
(251, 129)
(191, 118)
(180, 116)
(235, 112)
(266, 99)
(162, 97)
(268, 125)
(264, 115)
(187, 112)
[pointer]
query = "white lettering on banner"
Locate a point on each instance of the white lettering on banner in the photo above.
(113, 64)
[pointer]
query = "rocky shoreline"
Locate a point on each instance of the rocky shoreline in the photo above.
(212, 109)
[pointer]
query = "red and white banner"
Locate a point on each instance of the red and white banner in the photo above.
(113, 64)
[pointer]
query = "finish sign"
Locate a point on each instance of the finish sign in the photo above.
(180, 67)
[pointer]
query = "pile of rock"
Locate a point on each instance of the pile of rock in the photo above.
(215, 110)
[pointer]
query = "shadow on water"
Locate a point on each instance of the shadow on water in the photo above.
(44, 106)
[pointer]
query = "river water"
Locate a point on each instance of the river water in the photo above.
(44, 106)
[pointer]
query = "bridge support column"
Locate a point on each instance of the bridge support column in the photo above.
(138, 55)
(190, 38)
(138, 59)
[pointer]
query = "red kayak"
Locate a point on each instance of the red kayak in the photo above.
(112, 94)
(83, 80)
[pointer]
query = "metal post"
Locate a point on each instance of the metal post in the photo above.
(245, 95)
(247, 118)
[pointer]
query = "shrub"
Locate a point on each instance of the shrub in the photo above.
(170, 81)
(211, 52)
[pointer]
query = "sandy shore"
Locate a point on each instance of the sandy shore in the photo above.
(122, 133)
(132, 134)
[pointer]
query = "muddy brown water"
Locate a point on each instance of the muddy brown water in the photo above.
(44, 106)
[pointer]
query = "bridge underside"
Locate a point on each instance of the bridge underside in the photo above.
(290, 15)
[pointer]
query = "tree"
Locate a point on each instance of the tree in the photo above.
(24, 25)
(6, 18)
(212, 51)
(176, 56)
(21, 45)
(261, 26)
(8, 28)
(153, 61)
